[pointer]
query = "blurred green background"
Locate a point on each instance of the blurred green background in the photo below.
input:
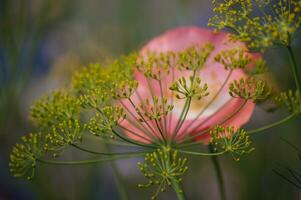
(42, 42)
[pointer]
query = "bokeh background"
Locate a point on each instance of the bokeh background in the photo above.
(42, 42)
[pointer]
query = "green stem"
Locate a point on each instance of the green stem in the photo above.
(271, 125)
(178, 189)
(103, 153)
(295, 71)
(133, 141)
(118, 180)
(201, 153)
(110, 141)
(219, 174)
(84, 162)
(184, 143)
(175, 183)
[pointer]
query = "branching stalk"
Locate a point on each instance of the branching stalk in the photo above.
(295, 72)
(219, 174)
(271, 125)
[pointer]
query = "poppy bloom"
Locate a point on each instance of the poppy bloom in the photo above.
(180, 116)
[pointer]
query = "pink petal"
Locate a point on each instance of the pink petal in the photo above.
(214, 74)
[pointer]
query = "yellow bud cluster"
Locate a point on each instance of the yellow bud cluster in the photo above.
(154, 109)
(195, 57)
(161, 168)
(236, 58)
(290, 100)
(275, 25)
(190, 89)
(227, 139)
(64, 134)
(24, 155)
(249, 89)
(54, 108)
(103, 122)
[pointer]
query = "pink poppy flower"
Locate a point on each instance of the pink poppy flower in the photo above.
(218, 108)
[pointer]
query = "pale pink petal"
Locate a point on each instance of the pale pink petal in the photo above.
(213, 74)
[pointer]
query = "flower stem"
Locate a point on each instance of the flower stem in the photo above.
(295, 71)
(201, 153)
(118, 179)
(84, 162)
(178, 189)
(104, 153)
(219, 174)
(176, 183)
(271, 125)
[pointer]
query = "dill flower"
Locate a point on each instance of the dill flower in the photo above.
(23, 159)
(184, 87)
(259, 23)
(187, 87)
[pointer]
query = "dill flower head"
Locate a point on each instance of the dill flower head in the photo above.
(25, 154)
(188, 86)
(182, 87)
(259, 23)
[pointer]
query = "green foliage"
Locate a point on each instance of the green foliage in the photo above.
(227, 139)
(190, 89)
(24, 155)
(260, 24)
(236, 58)
(194, 58)
(161, 168)
(290, 100)
(53, 109)
(249, 89)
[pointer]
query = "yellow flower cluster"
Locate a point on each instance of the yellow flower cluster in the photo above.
(259, 23)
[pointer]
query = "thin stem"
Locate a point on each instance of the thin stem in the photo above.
(134, 133)
(210, 128)
(118, 180)
(139, 126)
(178, 189)
(201, 153)
(184, 110)
(285, 178)
(160, 131)
(126, 139)
(271, 125)
(294, 69)
(133, 141)
(111, 141)
(292, 145)
(164, 128)
(143, 119)
(187, 104)
(210, 102)
(219, 174)
(172, 99)
(175, 183)
(104, 153)
(84, 162)
(184, 116)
